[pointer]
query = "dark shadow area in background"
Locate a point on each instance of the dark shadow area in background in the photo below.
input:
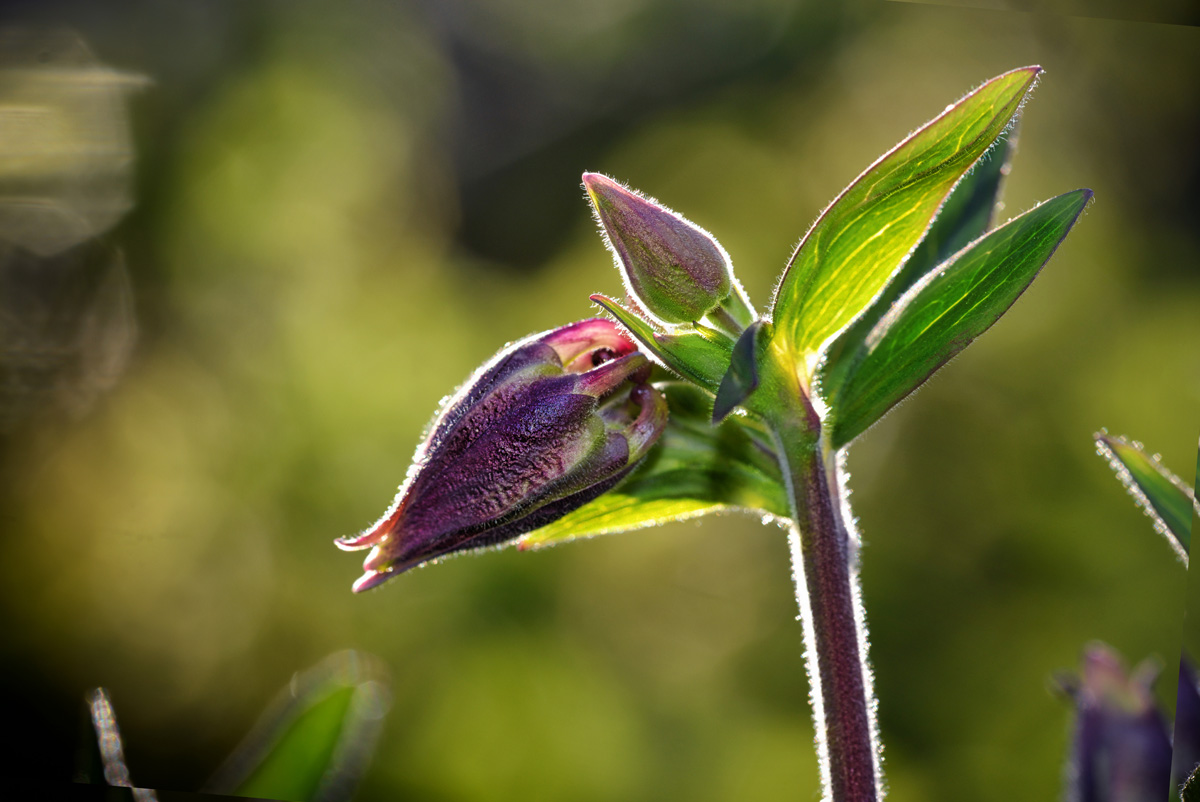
(522, 126)
(1171, 12)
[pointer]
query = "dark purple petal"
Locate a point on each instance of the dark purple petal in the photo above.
(513, 462)
(1121, 750)
(524, 442)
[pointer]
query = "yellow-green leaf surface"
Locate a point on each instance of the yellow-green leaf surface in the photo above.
(1165, 499)
(860, 240)
(314, 742)
(695, 468)
(699, 355)
(945, 311)
(966, 215)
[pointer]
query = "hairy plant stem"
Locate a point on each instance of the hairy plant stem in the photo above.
(824, 565)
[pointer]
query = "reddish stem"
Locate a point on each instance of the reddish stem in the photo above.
(825, 571)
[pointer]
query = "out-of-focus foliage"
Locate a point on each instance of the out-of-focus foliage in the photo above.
(66, 153)
(109, 751)
(340, 209)
(311, 745)
(1120, 750)
(317, 738)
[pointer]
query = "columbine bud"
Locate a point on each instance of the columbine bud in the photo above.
(674, 268)
(1122, 752)
(548, 425)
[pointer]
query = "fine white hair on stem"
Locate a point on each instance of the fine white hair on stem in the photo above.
(810, 658)
(841, 481)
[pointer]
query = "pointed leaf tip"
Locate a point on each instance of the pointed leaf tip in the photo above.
(859, 241)
(943, 313)
(1160, 494)
(967, 214)
(674, 268)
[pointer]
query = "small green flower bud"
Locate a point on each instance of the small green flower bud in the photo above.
(673, 267)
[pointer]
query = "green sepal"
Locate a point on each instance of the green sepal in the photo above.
(316, 739)
(966, 215)
(694, 469)
(696, 353)
(943, 313)
(1162, 495)
(862, 238)
(742, 378)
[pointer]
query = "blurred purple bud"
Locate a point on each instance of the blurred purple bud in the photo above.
(1122, 752)
(672, 266)
(550, 423)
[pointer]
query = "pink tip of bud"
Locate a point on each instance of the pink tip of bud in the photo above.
(370, 579)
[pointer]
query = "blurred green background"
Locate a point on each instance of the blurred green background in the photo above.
(339, 209)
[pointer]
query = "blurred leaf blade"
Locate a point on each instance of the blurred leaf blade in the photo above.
(695, 469)
(945, 311)
(110, 747)
(1166, 500)
(966, 215)
(860, 240)
(315, 741)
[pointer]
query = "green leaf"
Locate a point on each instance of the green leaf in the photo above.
(1161, 494)
(742, 377)
(314, 742)
(861, 239)
(966, 215)
(698, 354)
(694, 469)
(1191, 787)
(944, 312)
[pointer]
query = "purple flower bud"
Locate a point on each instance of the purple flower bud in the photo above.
(672, 266)
(549, 424)
(1122, 752)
